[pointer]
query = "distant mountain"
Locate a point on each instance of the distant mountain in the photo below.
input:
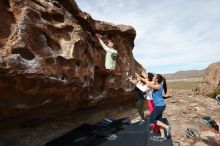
(185, 74)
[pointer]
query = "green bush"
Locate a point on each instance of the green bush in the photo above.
(214, 93)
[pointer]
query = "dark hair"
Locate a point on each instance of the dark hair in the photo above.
(150, 76)
(161, 79)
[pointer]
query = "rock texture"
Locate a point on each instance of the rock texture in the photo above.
(211, 79)
(51, 63)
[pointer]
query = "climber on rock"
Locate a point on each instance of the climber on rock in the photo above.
(111, 54)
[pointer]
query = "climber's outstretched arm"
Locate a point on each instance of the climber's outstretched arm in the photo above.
(102, 43)
(134, 81)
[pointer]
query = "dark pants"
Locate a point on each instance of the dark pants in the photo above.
(140, 107)
(157, 114)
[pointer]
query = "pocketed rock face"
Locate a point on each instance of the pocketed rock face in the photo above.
(51, 63)
(211, 79)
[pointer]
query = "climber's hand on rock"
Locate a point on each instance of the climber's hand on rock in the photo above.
(130, 78)
(137, 75)
(144, 74)
(97, 35)
(143, 70)
(134, 81)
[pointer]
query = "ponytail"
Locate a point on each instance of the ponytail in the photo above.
(164, 85)
(162, 80)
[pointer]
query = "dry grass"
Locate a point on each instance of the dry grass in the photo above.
(184, 84)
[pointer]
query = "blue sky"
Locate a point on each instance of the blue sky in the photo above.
(172, 35)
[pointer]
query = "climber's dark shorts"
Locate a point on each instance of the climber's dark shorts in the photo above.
(157, 114)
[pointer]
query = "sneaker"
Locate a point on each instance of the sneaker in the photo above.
(162, 138)
(168, 131)
(210, 121)
(157, 138)
(151, 131)
(112, 137)
(206, 119)
(141, 122)
(191, 133)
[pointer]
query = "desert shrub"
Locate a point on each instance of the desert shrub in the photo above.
(214, 93)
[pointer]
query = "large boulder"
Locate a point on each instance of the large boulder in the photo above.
(211, 79)
(51, 63)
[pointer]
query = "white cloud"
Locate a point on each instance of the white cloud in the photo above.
(170, 34)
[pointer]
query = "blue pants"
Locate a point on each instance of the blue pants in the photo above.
(157, 114)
